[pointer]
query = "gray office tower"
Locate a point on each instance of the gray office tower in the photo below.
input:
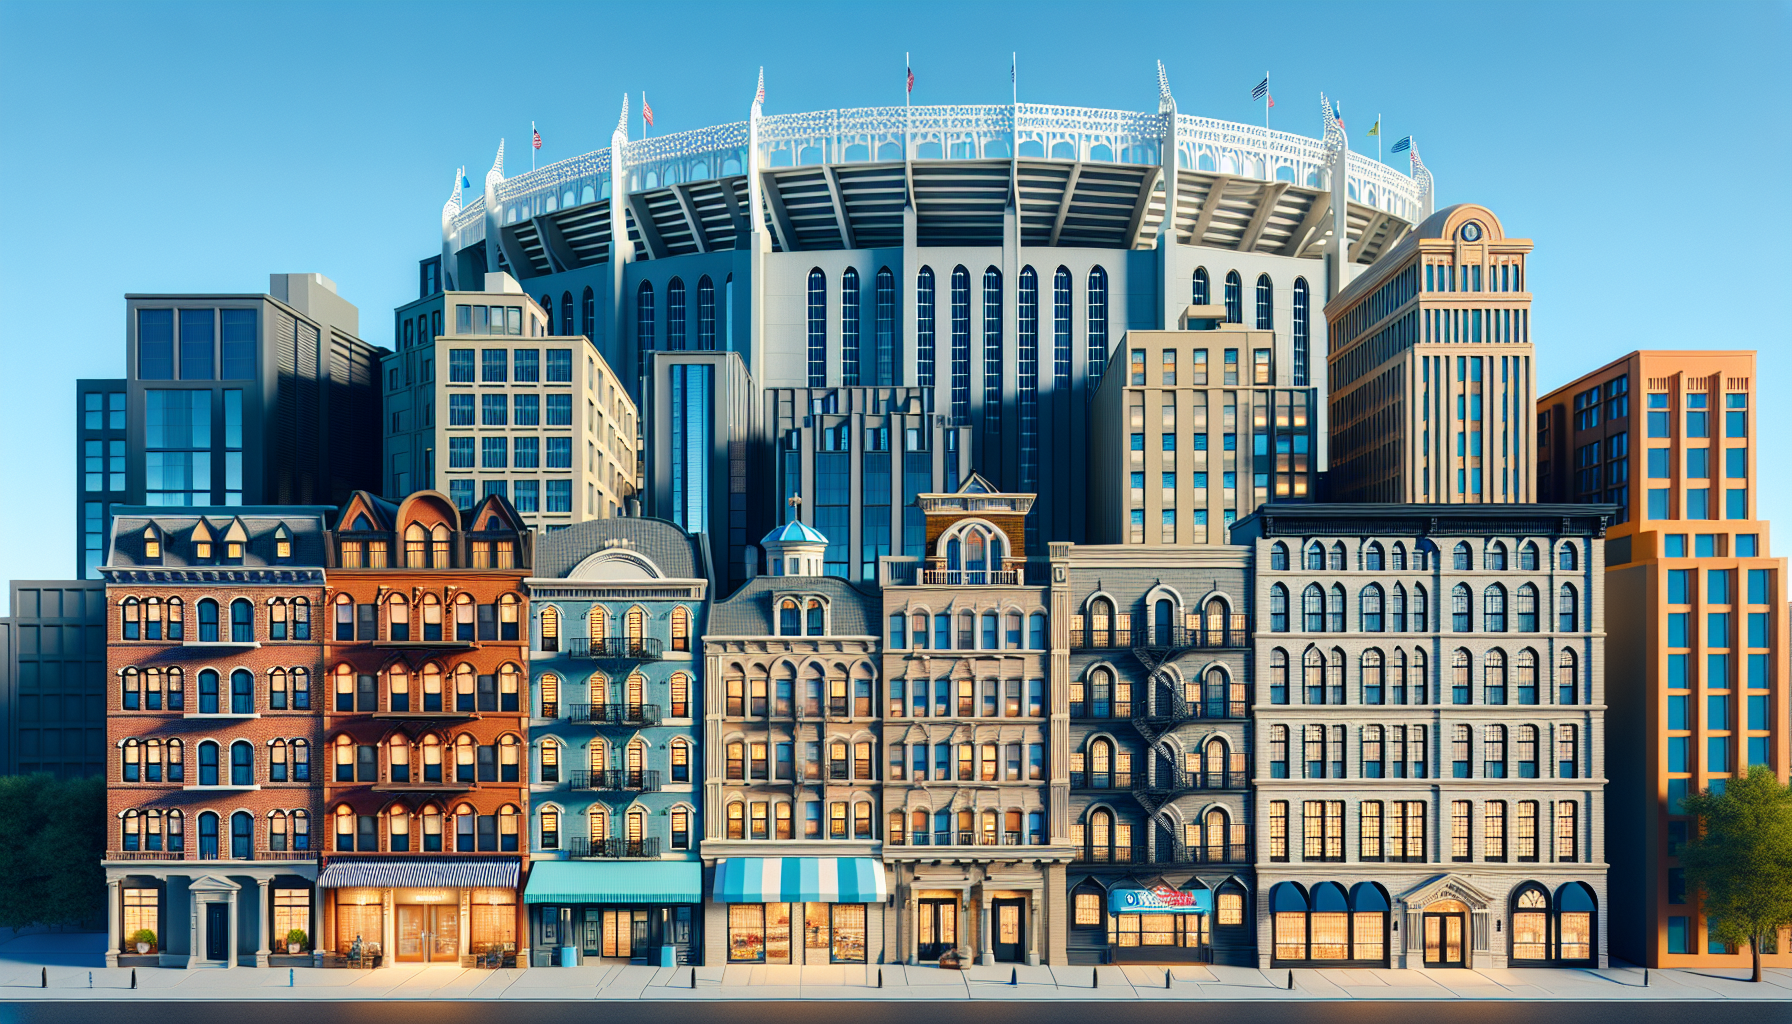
(984, 260)
(53, 679)
(229, 399)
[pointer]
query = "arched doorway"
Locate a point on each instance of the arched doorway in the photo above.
(1446, 934)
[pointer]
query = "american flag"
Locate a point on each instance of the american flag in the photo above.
(1402, 146)
(1271, 97)
(1338, 113)
(761, 97)
(1261, 90)
(646, 111)
(911, 79)
(536, 133)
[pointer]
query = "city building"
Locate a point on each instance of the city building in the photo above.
(213, 653)
(477, 402)
(704, 459)
(1429, 759)
(617, 606)
(1430, 373)
(978, 838)
(1697, 611)
(791, 768)
(53, 679)
(1184, 442)
(425, 730)
(987, 257)
(1159, 752)
(100, 439)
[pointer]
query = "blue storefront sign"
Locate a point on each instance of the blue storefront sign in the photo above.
(1160, 899)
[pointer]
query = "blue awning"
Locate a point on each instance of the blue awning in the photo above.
(569, 881)
(800, 880)
(1160, 900)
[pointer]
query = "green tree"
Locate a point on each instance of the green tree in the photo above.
(1740, 860)
(52, 840)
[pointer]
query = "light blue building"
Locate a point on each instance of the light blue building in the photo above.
(616, 611)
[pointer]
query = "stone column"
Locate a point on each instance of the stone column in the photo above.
(115, 920)
(230, 952)
(388, 928)
(267, 924)
(317, 929)
(911, 927)
(195, 911)
(986, 954)
(1033, 917)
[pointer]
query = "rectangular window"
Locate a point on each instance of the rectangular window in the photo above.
(493, 452)
(559, 495)
(240, 340)
(559, 451)
(559, 410)
(460, 365)
(559, 368)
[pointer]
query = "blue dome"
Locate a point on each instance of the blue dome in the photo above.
(794, 532)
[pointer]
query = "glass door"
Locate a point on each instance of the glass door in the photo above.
(412, 934)
(937, 929)
(1445, 944)
(444, 930)
(1010, 938)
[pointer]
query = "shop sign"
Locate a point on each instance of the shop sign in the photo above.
(1160, 899)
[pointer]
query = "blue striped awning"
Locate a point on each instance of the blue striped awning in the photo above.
(800, 880)
(419, 873)
(571, 881)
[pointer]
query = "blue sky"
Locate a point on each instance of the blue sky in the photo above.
(1645, 147)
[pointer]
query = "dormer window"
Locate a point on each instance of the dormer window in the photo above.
(202, 541)
(202, 549)
(235, 539)
(282, 544)
(233, 551)
(152, 544)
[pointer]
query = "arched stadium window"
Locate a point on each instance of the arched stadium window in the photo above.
(1061, 285)
(1303, 331)
(547, 309)
(565, 312)
(1234, 298)
(588, 313)
(883, 373)
(1265, 304)
(924, 350)
(643, 326)
(675, 315)
(1098, 326)
(849, 327)
(1203, 288)
(818, 328)
(706, 314)
(992, 350)
(961, 345)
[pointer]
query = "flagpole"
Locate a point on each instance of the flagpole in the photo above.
(1378, 136)
(643, 113)
(1266, 103)
(532, 146)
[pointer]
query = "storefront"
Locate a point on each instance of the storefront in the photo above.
(644, 912)
(802, 910)
(422, 912)
(1159, 924)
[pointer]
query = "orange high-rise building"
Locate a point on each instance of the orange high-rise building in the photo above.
(1695, 618)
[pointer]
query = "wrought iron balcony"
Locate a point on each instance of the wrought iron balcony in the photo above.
(620, 648)
(965, 839)
(970, 577)
(616, 779)
(1231, 634)
(1182, 782)
(1101, 780)
(613, 714)
(614, 849)
(1139, 853)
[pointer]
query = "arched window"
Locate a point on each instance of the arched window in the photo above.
(597, 626)
(242, 621)
(675, 315)
(565, 313)
(130, 613)
(242, 836)
(644, 328)
(1576, 916)
(1397, 609)
(1461, 609)
(1567, 608)
(681, 628)
(1398, 561)
(1313, 609)
(463, 616)
(1163, 621)
(1568, 555)
(1525, 676)
(706, 314)
(1278, 556)
(961, 345)
(398, 618)
(790, 621)
(1101, 622)
(432, 687)
(815, 618)
(177, 762)
(849, 327)
(1567, 678)
(1526, 607)
(1370, 611)
(438, 547)
(924, 328)
(398, 759)
(1495, 557)
(1527, 557)
(1493, 609)
(550, 629)
(1098, 324)
(1530, 927)
(883, 338)
(818, 328)
(1218, 830)
(547, 309)
(1061, 324)
(1313, 676)
(242, 692)
(588, 314)
(1464, 556)
(1461, 672)
(208, 836)
(1371, 677)
(1234, 298)
(1493, 677)
(132, 759)
(1202, 292)
(416, 546)
(208, 692)
(1265, 304)
(992, 350)
(1303, 331)
(1421, 610)
(1338, 560)
(1035, 631)
(208, 621)
(1334, 612)
(1372, 557)
(1278, 676)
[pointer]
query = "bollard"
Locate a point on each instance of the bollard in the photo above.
(89, 979)
(880, 977)
(289, 973)
(46, 979)
(1014, 976)
(1645, 977)
(693, 977)
(133, 977)
(1166, 977)
(1290, 981)
(1096, 982)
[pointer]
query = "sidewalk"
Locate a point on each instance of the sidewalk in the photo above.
(21, 982)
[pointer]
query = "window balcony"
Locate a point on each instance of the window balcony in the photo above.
(444, 643)
(615, 648)
(970, 577)
(443, 713)
(128, 855)
(613, 849)
(1102, 780)
(1166, 855)
(1232, 634)
(633, 780)
(444, 786)
(613, 714)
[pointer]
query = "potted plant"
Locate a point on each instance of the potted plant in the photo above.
(144, 939)
(295, 941)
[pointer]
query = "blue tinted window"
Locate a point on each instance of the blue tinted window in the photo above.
(1679, 586)
(460, 365)
(559, 366)
(460, 453)
(155, 344)
(460, 410)
(1736, 463)
(559, 455)
(1698, 463)
(559, 410)
(493, 452)
(240, 340)
(526, 453)
(196, 338)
